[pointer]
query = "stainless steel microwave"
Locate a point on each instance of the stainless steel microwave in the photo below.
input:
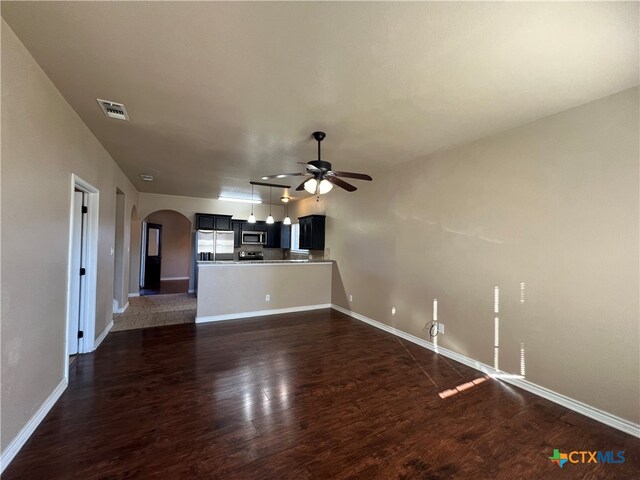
(254, 238)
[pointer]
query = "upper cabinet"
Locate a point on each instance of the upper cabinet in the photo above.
(312, 232)
(205, 221)
(285, 235)
(236, 226)
(273, 235)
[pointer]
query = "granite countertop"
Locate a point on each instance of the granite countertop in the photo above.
(261, 262)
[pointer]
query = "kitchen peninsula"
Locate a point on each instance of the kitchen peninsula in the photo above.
(228, 290)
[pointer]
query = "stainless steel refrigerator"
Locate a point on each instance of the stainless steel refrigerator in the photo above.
(212, 246)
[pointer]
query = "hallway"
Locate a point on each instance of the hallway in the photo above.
(156, 311)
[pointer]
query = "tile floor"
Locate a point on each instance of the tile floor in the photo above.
(155, 311)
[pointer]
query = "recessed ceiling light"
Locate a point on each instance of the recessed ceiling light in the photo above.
(241, 200)
(147, 178)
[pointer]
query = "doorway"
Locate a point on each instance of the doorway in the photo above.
(82, 269)
(153, 256)
(166, 253)
(119, 294)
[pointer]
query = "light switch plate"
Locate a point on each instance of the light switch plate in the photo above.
(441, 328)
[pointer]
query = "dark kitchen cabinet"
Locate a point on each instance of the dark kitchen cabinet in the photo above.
(236, 226)
(312, 232)
(223, 222)
(273, 235)
(285, 236)
(205, 221)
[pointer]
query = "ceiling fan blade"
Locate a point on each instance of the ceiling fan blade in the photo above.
(282, 175)
(340, 183)
(301, 186)
(358, 176)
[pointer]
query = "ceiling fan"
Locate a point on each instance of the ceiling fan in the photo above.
(321, 177)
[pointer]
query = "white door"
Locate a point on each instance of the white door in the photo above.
(78, 279)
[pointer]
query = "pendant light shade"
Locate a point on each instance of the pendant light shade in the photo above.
(287, 220)
(311, 185)
(252, 217)
(270, 217)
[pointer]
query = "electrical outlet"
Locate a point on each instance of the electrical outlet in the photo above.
(350, 298)
(441, 328)
(111, 251)
(393, 310)
(267, 297)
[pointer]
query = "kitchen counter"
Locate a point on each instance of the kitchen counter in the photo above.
(262, 262)
(240, 289)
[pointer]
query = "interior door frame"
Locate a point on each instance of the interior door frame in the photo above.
(88, 307)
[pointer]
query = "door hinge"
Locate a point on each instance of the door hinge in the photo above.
(80, 334)
(82, 271)
(84, 209)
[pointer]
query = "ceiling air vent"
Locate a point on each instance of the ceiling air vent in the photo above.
(113, 109)
(146, 178)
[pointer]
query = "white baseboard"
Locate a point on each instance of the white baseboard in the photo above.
(567, 402)
(162, 279)
(260, 313)
(19, 440)
(131, 295)
(103, 335)
(123, 309)
(191, 291)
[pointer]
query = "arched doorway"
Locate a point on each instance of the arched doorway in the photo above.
(166, 253)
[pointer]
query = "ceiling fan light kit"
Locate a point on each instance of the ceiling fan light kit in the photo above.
(311, 186)
(322, 177)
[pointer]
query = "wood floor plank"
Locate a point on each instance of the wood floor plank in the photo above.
(313, 395)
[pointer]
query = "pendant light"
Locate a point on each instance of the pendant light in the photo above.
(287, 220)
(270, 217)
(252, 217)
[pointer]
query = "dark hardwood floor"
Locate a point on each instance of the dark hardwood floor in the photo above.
(311, 395)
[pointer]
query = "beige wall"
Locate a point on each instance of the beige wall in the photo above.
(234, 289)
(43, 143)
(552, 204)
(176, 243)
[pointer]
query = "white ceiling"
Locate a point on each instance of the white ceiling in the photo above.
(223, 93)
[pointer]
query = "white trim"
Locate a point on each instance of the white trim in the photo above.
(173, 278)
(123, 309)
(21, 438)
(103, 335)
(132, 295)
(191, 291)
(260, 313)
(516, 380)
